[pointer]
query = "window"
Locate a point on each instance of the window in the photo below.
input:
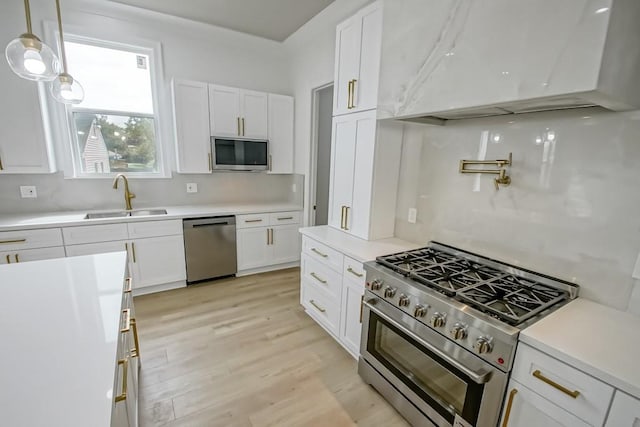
(115, 128)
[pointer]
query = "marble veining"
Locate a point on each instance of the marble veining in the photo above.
(571, 210)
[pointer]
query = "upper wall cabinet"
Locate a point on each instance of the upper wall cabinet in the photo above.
(452, 60)
(191, 114)
(238, 112)
(23, 147)
(280, 133)
(358, 61)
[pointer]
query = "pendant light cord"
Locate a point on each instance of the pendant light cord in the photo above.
(62, 51)
(27, 12)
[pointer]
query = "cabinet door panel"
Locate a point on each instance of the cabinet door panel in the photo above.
(529, 409)
(280, 134)
(224, 110)
(624, 412)
(343, 151)
(360, 210)
(191, 116)
(351, 322)
(157, 260)
(348, 38)
(366, 88)
(286, 244)
(254, 109)
(253, 250)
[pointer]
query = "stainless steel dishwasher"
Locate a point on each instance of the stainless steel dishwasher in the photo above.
(210, 247)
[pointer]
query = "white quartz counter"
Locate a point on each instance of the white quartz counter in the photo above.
(594, 338)
(63, 219)
(354, 247)
(59, 324)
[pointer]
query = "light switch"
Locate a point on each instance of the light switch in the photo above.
(28, 192)
(192, 187)
(413, 214)
(636, 269)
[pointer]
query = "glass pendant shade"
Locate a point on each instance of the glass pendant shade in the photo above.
(31, 59)
(66, 90)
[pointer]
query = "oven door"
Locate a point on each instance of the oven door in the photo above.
(443, 380)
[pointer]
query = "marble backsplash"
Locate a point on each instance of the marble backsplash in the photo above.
(571, 210)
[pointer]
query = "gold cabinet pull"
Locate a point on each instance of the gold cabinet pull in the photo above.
(127, 288)
(355, 273)
(17, 257)
(353, 93)
(319, 253)
(361, 307)
(571, 393)
(349, 95)
(210, 163)
(507, 412)
(346, 217)
(6, 242)
(8, 259)
(125, 366)
(136, 351)
(342, 226)
(1, 167)
(133, 251)
(271, 235)
(318, 278)
(252, 220)
(320, 309)
(268, 236)
(243, 126)
(238, 120)
(285, 218)
(127, 320)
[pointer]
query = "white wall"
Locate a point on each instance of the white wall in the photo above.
(312, 50)
(190, 50)
(571, 210)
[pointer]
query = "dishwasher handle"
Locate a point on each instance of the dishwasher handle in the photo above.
(206, 222)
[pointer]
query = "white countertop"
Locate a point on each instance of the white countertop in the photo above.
(354, 247)
(59, 324)
(64, 219)
(594, 338)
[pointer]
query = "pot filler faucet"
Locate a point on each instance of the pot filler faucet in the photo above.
(127, 194)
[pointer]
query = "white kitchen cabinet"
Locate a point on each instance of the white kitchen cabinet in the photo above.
(191, 120)
(30, 245)
(364, 175)
(25, 255)
(351, 315)
(266, 240)
(97, 248)
(624, 412)
(238, 112)
(525, 408)
(281, 113)
(358, 43)
(157, 260)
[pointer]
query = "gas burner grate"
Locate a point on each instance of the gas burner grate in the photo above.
(406, 263)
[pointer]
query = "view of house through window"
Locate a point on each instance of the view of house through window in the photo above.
(114, 128)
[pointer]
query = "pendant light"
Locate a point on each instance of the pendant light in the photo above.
(29, 58)
(65, 88)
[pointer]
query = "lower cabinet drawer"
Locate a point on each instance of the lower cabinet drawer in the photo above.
(625, 411)
(566, 386)
(323, 253)
(321, 275)
(30, 239)
(138, 230)
(284, 218)
(94, 233)
(354, 271)
(31, 255)
(252, 220)
(324, 308)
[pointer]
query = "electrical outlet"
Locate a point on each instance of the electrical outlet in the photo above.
(413, 214)
(192, 187)
(28, 192)
(636, 269)
(294, 188)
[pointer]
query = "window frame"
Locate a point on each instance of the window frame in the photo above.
(61, 128)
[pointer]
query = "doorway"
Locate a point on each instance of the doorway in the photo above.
(321, 154)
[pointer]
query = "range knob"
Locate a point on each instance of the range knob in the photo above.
(389, 292)
(438, 319)
(376, 285)
(483, 344)
(458, 332)
(403, 301)
(420, 311)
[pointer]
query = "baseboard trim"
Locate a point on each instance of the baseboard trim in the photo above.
(267, 268)
(158, 288)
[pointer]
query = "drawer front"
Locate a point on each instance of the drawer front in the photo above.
(94, 233)
(321, 275)
(31, 255)
(144, 229)
(252, 220)
(546, 376)
(30, 239)
(353, 271)
(284, 218)
(97, 248)
(323, 308)
(322, 253)
(625, 411)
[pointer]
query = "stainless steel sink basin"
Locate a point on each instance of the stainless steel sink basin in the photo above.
(123, 214)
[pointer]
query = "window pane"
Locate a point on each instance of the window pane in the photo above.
(113, 143)
(115, 80)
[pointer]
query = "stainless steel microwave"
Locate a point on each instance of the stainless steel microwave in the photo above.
(239, 154)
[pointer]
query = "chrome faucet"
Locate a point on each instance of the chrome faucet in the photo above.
(127, 194)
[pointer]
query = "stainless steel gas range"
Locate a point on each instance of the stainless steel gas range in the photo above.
(440, 329)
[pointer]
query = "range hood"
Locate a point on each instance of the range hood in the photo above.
(456, 59)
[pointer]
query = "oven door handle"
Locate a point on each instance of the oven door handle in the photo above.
(476, 377)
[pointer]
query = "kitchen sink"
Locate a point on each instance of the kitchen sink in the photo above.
(123, 214)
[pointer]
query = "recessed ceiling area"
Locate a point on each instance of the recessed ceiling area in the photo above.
(271, 19)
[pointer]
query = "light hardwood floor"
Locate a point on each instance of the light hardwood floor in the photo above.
(242, 352)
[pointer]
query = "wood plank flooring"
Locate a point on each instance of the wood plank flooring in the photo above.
(242, 352)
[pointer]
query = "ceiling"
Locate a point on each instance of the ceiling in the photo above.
(271, 19)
